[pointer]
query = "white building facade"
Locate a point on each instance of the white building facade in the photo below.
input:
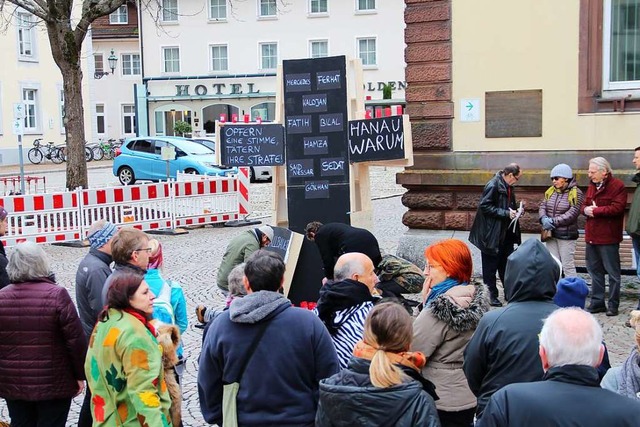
(112, 101)
(208, 58)
(29, 76)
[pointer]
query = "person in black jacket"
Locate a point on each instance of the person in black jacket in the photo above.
(492, 232)
(382, 385)
(335, 239)
(569, 395)
(503, 350)
(4, 277)
(93, 271)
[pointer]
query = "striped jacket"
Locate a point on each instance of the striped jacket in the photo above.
(350, 330)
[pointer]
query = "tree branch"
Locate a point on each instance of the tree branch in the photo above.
(35, 7)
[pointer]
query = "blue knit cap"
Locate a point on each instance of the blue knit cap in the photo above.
(102, 236)
(562, 170)
(571, 292)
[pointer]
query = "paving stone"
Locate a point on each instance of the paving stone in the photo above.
(193, 260)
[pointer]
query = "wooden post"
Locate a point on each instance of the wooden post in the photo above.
(280, 212)
(360, 185)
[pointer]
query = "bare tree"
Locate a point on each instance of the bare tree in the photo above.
(66, 40)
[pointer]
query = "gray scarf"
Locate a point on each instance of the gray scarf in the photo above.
(256, 306)
(629, 376)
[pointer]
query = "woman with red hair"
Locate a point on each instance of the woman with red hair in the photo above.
(453, 306)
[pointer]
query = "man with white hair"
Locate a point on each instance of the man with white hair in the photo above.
(569, 394)
(345, 302)
(604, 206)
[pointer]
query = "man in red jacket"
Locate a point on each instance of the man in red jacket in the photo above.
(604, 207)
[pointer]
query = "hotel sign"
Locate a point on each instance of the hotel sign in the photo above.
(250, 89)
(218, 89)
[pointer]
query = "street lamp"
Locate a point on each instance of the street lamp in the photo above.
(113, 60)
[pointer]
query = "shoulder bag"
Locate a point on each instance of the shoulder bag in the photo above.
(230, 391)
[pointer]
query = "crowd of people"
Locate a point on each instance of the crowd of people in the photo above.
(364, 354)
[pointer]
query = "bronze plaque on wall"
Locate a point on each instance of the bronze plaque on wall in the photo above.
(513, 113)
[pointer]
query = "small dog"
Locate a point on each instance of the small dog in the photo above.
(169, 339)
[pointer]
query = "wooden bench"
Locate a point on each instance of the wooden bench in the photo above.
(626, 255)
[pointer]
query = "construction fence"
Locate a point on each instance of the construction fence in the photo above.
(66, 216)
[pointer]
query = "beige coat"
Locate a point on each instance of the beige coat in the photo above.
(442, 331)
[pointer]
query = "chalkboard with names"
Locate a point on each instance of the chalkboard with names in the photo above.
(252, 144)
(316, 127)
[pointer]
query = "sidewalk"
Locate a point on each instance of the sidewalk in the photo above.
(47, 167)
(193, 260)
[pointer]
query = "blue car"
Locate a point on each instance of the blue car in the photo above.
(140, 159)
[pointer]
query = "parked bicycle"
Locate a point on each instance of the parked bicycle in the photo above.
(88, 152)
(104, 149)
(41, 151)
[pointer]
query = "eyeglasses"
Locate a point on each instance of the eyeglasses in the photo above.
(147, 250)
(517, 178)
(428, 266)
(555, 178)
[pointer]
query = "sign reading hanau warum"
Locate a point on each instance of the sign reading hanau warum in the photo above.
(376, 139)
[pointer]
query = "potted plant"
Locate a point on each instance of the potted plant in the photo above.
(181, 127)
(387, 92)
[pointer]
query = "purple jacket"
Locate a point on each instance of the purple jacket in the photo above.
(564, 214)
(42, 345)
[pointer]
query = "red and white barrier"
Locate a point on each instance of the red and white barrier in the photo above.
(243, 191)
(42, 218)
(67, 216)
(32, 185)
(206, 201)
(145, 206)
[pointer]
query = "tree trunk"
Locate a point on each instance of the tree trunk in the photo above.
(74, 125)
(66, 53)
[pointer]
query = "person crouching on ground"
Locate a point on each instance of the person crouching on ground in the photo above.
(236, 290)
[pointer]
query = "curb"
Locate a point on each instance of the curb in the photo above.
(51, 170)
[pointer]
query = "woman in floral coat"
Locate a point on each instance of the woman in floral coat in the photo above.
(124, 362)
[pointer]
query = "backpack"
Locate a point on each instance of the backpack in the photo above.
(162, 308)
(406, 274)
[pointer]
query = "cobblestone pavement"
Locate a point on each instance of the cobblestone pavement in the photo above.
(193, 259)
